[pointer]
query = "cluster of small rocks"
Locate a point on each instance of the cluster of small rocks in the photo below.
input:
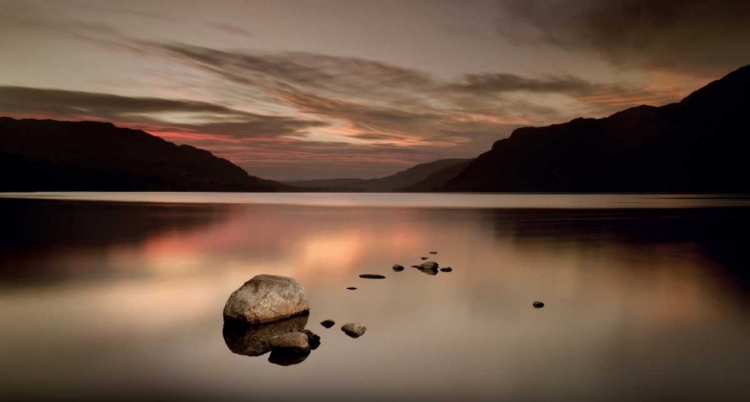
(269, 313)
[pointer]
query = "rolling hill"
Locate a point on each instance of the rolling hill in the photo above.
(49, 155)
(699, 144)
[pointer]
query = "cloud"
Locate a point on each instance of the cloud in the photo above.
(356, 89)
(341, 76)
(695, 36)
(231, 29)
(158, 113)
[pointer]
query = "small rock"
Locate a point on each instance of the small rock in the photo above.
(352, 288)
(433, 252)
(296, 341)
(428, 267)
(538, 304)
(424, 258)
(328, 323)
(398, 268)
(446, 269)
(372, 276)
(312, 338)
(354, 330)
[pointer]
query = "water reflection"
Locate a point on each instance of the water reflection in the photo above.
(638, 302)
(255, 340)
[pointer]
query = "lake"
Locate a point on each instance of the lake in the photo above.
(119, 296)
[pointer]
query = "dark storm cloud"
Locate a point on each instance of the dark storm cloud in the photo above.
(699, 36)
(71, 104)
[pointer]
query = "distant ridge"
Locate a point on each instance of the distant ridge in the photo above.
(49, 155)
(697, 145)
(323, 183)
(396, 182)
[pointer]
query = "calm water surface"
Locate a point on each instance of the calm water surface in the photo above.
(119, 296)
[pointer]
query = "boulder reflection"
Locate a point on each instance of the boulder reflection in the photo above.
(255, 340)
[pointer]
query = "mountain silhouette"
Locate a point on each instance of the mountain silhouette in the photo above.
(49, 155)
(699, 144)
(438, 179)
(396, 182)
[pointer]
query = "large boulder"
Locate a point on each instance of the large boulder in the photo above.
(266, 298)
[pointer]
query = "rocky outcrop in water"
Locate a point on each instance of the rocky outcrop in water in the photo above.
(446, 269)
(266, 298)
(328, 323)
(398, 268)
(538, 304)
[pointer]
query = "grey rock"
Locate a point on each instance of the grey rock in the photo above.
(297, 341)
(398, 268)
(255, 340)
(538, 304)
(354, 330)
(328, 323)
(372, 276)
(266, 298)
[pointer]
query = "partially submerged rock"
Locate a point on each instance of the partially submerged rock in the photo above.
(354, 329)
(538, 304)
(446, 269)
(292, 341)
(255, 340)
(312, 338)
(424, 258)
(398, 268)
(266, 298)
(433, 252)
(351, 288)
(427, 267)
(372, 276)
(328, 323)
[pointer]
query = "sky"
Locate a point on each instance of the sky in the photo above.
(293, 90)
